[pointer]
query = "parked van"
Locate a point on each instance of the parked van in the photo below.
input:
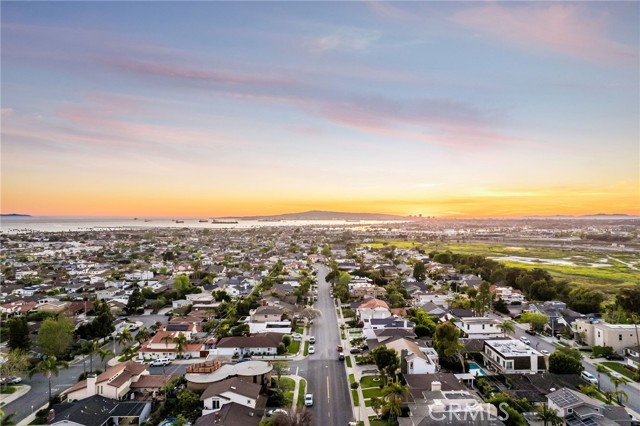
(589, 377)
(525, 340)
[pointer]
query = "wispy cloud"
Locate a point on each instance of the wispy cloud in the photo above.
(347, 39)
(569, 29)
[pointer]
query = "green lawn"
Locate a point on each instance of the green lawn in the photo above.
(294, 347)
(608, 278)
(373, 421)
(287, 384)
(356, 398)
(299, 329)
(348, 359)
(348, 313)
(7, 389)
(371, 392)
(352, 378)
(306, 348)
(301, 392)
(370, 382)
(619, 368)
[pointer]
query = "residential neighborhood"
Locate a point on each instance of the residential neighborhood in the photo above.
(305, 324)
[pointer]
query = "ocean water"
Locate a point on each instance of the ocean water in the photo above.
(66, 224)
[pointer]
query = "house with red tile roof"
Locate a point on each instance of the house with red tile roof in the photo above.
(115, 383)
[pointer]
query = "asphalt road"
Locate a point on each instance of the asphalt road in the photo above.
(325, 375)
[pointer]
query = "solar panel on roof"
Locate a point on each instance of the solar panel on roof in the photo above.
(177, 327)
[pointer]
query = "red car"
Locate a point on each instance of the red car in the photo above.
(339, 348)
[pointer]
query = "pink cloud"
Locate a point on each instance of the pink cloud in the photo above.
(563, 28)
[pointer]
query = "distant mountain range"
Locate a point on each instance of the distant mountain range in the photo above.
(324, 215)
(15, 215)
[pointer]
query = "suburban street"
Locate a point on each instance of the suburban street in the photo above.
(325, 375)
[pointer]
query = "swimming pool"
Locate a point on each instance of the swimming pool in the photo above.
(476, 370)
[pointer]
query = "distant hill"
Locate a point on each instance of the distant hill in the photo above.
(325, 215)
(15, 215)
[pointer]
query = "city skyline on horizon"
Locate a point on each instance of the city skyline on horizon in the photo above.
(214, 109)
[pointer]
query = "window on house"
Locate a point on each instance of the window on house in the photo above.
(483, 326)
(569, 410)
(620, 337)
(215, 404)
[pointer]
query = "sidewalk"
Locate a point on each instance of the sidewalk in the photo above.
(296, 391)
(361, 412)
(6, 399)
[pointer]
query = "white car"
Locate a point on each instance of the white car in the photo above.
(589, 377)
(160, 362)
(525, 340)
(296, 336)
(544, 352)
(312, 339)
(312, 349)
(308, 400)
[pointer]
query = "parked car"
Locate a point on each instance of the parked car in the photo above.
(296, 336)
(275, 412)
(340, 356)
(340, 348)
(308, 400)
(585, 375)
(355, 350)
(531, 332)
(160, 362)
(614, 357)
(312, 349)
(544, 352)
(312, 339)
(525, 340)
(10, 380)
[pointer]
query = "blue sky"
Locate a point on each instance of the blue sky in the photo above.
(205, 108)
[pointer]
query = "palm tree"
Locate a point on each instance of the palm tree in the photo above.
(609, 394)
(143, 335)
(549, 415)
(181, 343)
(376, 405)
(589, 390)
(90, 348)
(48, 367)
(104, 353)
(617, 381)
(7, 419)
(507, 327)
(393, 395)
(167, 339)
(124, 337)
(601, 369)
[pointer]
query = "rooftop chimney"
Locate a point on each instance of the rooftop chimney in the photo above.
(436, 386)
(91, 384)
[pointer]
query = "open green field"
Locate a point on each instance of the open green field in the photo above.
(608, 272)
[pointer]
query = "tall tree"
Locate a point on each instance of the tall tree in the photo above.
(447, 344)
(549, 415)
(16, 362)
(394, 393)
(91, 348)
(123, 337)
(19, 334)
(537, 321)
(55, 336)
(419, 271)
(104, 353)
(181, 343)
(507, 327)
(182, 285)
(565, 361)
(135, 302)
(143, 335)
(387, 361)
(483, 299)
(50, 366)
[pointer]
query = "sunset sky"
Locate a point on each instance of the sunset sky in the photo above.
(217, 108)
